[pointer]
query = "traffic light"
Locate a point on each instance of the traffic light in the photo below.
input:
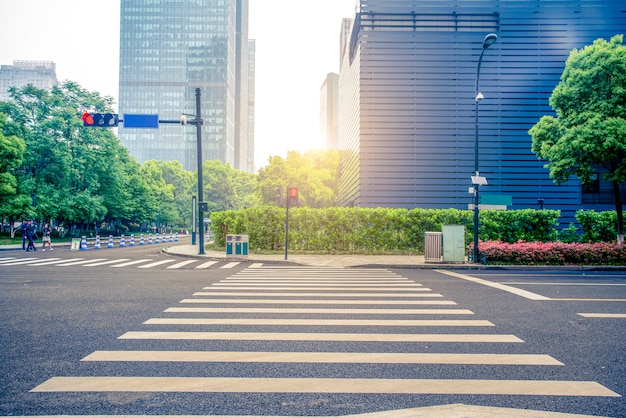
(292, 194)
(279, 195)
(100, 120)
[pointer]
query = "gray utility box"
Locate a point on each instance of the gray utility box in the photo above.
(453, 243)
(432, 247)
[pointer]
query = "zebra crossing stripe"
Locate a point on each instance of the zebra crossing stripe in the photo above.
(313, 287)
(181, 264)
(56, 261)
(603, 315)
(319, 302)
(321, 322)
(310, 294)
(206, 265)
(156, 263)
(77, 263)
(230, 265)
(335, 337)
(131, 263)
(20, 261)
(104, 263)
(322, 357)
(321, 385)
(345, 311)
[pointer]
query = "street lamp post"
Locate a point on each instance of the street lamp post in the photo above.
(476, 179)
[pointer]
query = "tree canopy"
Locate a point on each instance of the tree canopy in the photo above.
(588, 133)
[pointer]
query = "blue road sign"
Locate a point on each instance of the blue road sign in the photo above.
(141, 121)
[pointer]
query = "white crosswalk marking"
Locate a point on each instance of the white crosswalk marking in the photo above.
(77, 263)
(206, 265)
(181, 264)
(230, 265)
(131, 263)
(156, 263)
(104, 263)
(277, 305)
(50, 261)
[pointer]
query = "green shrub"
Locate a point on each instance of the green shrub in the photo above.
(597, 226)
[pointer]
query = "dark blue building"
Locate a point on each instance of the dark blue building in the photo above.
(407, 100)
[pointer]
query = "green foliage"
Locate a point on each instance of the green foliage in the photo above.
(11, 154)
(361, 230)
(597, 226)
(588, 133)
(314, 174)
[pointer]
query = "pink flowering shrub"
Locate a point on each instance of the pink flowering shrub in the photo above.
(552, 253)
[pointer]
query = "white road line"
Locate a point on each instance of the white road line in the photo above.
(510, 289)
(321, 322)
(319, 302)
(76, 263)
(568, 284)
(353, 294)
(350, 337)
(256, 265)
(156, 263)
(603, 315)
(131, 263)
(10, 259)
(325, 281)
(325, 311)
(104, 263)
(321, 357)
(319, 385)
(181, 264)
(56, 261)
(21, 261)
(206, 265)
(230, 265)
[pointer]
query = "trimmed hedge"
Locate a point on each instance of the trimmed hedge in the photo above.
(553, 253)
(350, 230)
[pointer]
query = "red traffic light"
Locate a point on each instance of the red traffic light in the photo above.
(293, 192)
(87, 119)
(103, 120)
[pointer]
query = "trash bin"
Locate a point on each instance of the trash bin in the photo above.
(230, 239)
(237, 245)
(432, 247)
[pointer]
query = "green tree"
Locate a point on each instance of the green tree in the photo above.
(314, 173)
(589, 130)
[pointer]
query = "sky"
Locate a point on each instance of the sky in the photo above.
(297, 45)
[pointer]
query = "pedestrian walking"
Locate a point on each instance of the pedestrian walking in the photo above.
(23, 228)
(31, 236)
(45, 238)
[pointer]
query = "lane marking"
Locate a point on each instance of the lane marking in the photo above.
(315, 385)
(20, 261)
(317, 357)
(321, 322)
(55, 261)
(104, 263)
(155, 264)
(131, 263)
(181, 264)
(568, 284)
(256, 265)
(206, 265)
(12, 259)
(519, 292)
(325, 311)
(588, 300)
(331, 284)
(77, 263)
(353, 294)
(330, 287)
(320, 302)
(603, 315)
(319, 280)
(289, 336)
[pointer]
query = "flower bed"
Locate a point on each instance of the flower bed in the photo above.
(552, 253)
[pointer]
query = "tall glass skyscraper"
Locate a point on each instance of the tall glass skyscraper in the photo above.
(168, 48)
(407, 99)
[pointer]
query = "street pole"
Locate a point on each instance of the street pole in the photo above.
(488, 41)
(198, 122)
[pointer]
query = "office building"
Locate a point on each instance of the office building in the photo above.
(168, 48)
(41, 74)
(329, 111)
(407, 99)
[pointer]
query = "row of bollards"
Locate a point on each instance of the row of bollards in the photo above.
(131, 242)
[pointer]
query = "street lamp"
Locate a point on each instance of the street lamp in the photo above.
(477, 180)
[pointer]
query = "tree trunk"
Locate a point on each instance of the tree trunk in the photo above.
(619, 212)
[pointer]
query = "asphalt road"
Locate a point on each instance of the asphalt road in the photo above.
(244, 329)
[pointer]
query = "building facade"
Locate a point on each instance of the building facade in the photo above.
(329, 111)
(407, 99)
(41, 74)
(168, 48)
